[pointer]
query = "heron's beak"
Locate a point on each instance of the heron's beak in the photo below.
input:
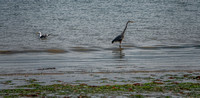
(131, 21)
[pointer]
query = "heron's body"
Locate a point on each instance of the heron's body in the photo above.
(120, 37)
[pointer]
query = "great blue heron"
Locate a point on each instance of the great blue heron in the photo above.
(120, 37)
(43, 35)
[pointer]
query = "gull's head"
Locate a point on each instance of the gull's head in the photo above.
(38, 32)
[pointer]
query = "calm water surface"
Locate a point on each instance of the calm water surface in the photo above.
(165, 35)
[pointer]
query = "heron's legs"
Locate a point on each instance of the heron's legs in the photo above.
(120, 44)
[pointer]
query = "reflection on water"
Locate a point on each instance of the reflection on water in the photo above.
(118, 53)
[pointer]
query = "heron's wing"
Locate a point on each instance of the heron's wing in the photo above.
(118, 38)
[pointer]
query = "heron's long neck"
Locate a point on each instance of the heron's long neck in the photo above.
(125, 29)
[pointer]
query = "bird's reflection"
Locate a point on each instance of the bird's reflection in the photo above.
(118, 52)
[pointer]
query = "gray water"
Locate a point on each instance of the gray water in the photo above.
(164, 36)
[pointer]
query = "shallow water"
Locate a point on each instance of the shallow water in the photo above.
(165, 36)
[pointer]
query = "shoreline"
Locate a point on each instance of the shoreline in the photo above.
(79, 72)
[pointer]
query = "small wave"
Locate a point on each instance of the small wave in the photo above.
(56, 51)
(83, 49)
(32, 51)
(168, 47)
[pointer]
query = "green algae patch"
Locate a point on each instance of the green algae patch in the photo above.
(6, 82)
(33, 90)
